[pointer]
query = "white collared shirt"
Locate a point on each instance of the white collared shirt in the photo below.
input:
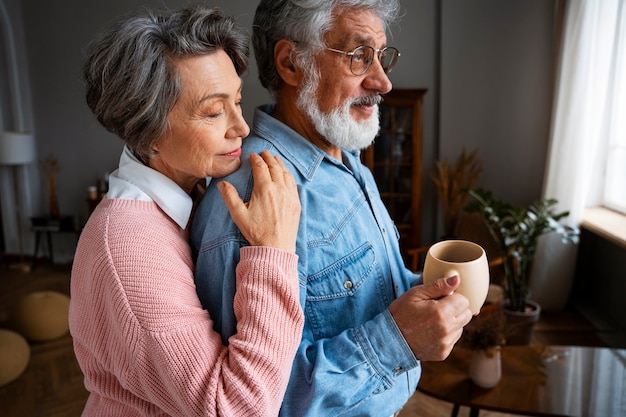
(135, 181)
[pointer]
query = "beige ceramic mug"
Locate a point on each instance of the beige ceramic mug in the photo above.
(465, 259)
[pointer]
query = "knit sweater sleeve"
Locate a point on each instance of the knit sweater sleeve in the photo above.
(144, 342)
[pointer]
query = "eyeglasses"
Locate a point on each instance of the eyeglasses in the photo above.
(361, 58)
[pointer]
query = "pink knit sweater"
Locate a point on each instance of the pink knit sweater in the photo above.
(145, 344)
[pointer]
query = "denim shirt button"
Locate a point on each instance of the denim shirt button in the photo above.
(347, 285)
(397, 369)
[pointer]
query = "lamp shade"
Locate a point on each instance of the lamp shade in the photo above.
(16, 148)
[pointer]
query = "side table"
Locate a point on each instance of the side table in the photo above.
(555, 381)
(49, 225)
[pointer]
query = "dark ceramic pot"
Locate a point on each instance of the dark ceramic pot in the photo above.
(520, 325)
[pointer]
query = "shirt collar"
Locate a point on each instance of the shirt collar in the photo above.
(304, 156)
(135, 181)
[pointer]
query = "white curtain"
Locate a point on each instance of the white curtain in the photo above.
(579, 139)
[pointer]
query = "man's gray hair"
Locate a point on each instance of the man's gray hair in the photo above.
(306, 22)
(129, 71)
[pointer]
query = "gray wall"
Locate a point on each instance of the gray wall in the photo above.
(487, 64)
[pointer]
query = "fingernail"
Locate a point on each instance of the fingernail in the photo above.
(452, 280)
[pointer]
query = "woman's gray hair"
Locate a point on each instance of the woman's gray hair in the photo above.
(130, 74)
(306, 22)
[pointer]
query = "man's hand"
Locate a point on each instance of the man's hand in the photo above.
(431, 318)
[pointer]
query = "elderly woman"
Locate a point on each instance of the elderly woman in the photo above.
(169, 85)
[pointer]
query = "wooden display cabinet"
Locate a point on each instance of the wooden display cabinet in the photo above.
(395, 159)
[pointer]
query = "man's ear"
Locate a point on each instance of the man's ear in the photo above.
(288, 71)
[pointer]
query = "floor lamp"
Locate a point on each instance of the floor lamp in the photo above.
(17, 149)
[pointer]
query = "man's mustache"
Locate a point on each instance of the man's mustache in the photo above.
(368, 101)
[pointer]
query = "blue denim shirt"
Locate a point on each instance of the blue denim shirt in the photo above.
(352, 359)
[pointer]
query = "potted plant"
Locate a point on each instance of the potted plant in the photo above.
(516, 230)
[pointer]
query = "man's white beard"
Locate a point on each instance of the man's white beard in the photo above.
(338, 127)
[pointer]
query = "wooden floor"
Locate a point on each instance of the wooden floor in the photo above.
(52, 384)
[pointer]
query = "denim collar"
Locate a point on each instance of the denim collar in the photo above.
(305, 156)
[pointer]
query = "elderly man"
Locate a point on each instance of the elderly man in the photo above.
(368, 319)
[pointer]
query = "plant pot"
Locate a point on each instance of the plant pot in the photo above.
(485, 367)
(520, 325)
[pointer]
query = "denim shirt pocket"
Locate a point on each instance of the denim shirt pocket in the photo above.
(345, 294)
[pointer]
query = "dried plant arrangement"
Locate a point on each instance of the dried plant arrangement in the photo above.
(485, 331)
(50, 167)
(452, 180)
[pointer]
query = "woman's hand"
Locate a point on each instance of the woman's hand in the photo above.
(272, 215)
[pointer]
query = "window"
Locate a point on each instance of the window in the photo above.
(615, 176)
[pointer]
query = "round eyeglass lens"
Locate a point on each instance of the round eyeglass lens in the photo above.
(388, 58)
(362, 58)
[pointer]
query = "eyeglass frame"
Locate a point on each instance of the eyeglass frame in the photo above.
(377, 52)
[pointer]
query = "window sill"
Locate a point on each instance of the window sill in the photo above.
(606, 223)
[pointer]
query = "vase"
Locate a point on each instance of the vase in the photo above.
(521, 324)
(485, 367)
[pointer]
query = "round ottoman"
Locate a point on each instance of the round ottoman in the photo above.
(14, 356)
(42, 315)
